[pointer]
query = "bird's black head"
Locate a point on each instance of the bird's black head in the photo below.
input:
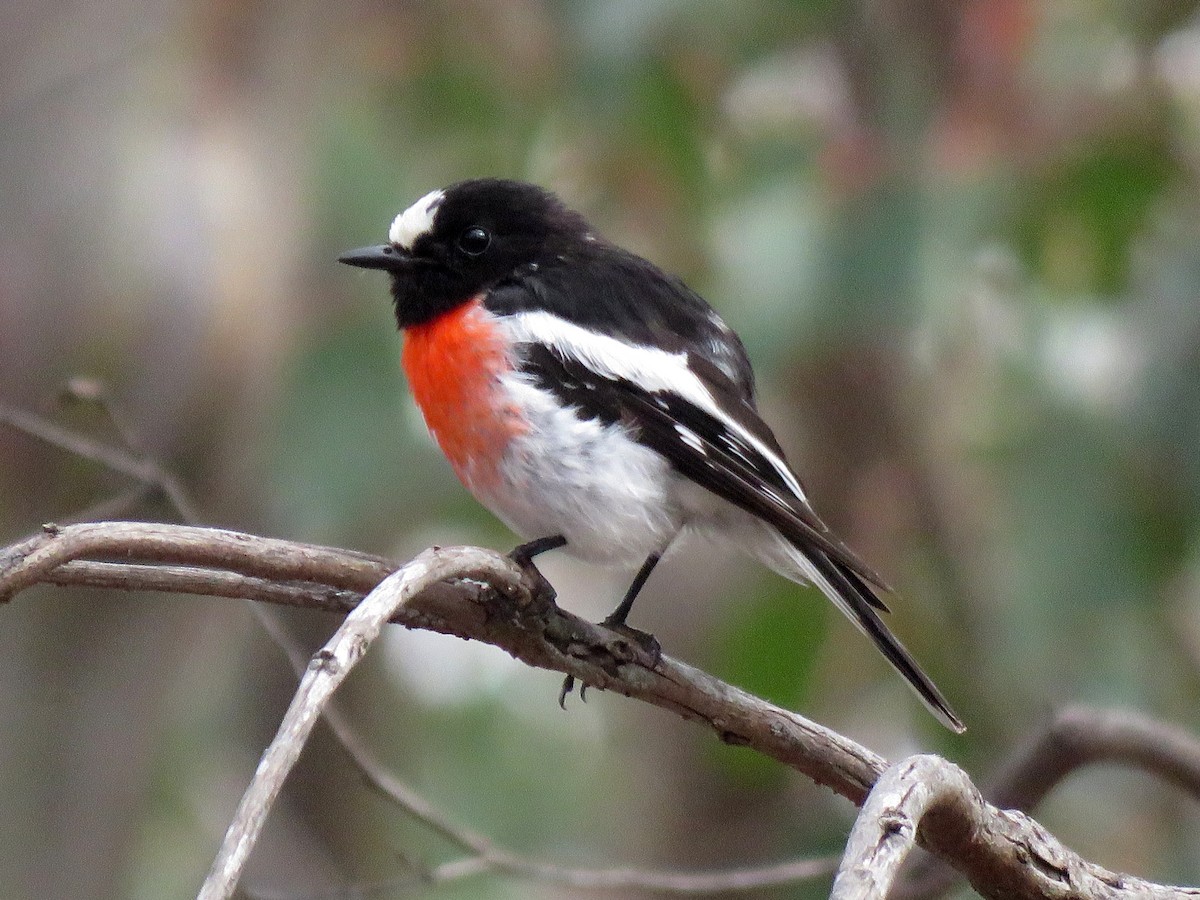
(456, 242)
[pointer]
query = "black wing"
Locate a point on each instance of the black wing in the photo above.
(702, 447)
(707, 450)
(610, 291)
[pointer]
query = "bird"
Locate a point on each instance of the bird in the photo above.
(595, 403)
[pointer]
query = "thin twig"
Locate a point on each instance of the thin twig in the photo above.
(141, 468)
(114, 458)
(208, 582)
(375, 772)
(329, 667)
(87, 389)
(267, 558)
(744, 879)
(751, 878)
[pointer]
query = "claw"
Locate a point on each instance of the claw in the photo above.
(568, 686)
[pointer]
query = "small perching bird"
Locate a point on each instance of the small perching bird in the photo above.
(595, 403)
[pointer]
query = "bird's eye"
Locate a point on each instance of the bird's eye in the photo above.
(474, 241)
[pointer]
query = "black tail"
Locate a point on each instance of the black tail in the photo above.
(855, 598)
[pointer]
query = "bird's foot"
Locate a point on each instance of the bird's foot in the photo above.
(645, 640)
(539, 588)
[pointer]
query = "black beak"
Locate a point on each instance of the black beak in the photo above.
(385, 256)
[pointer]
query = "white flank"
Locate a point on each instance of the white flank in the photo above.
(647, 367)
(608, 495)
(415, 220)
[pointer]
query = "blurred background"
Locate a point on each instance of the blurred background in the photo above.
(959, 239)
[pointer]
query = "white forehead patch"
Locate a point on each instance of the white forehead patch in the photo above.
(415, 220)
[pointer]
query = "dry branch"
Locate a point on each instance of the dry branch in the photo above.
(1079, 736)
(480, 853)
(929, 800)
(1076, 736)
(329, 667)
(485, 597)
(484, 855)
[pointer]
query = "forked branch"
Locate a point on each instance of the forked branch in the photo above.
(483, 596)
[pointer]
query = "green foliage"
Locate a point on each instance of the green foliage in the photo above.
(769, 646)
(1082, 215)
(328, 480)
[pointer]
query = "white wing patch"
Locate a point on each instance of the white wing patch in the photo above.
(647, 367)
(416, 220)
(690, 438)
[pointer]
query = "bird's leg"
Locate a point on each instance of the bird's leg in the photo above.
(618, 616)
(616, 621)
(523, 554)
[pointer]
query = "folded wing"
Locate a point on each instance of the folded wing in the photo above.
(712, 434)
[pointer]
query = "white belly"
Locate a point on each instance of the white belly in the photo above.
(610, 497)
